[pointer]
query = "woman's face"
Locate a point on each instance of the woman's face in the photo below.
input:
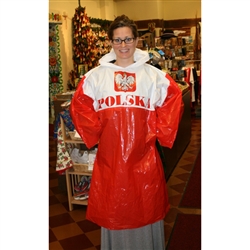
(124, 52)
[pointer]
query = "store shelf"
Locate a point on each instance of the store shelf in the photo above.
(69, 140)
(79, 202)
(79, 171)
(73, 175)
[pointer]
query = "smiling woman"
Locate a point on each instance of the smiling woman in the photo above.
(125, 110)
(123, 36)
(124, 50)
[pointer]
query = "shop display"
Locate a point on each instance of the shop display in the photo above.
(180, 59)
(78, 165)
(81, 189)
(90, 42)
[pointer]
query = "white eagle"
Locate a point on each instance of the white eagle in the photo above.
(124, 82)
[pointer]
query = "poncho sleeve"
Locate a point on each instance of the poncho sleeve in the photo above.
(169, 115)
(84, 116)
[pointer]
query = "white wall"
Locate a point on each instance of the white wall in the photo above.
(108, 9)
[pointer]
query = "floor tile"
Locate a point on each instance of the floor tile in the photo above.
(79, 242)
(179, 187)
(78, 214)
(52, 236)
(56, 209)
(171, 216)
(59, 220)
(55, 246)
(94, 236)
(67, 231)
(87, 226)
(56, 189)
(187, 167)
(53, 200)
(183, 177)
(53, 183)
(53, 176)
(175, 200)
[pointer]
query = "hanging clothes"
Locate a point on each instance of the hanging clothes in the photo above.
(67, 120)
(190, 78)
(196, 84)
(63, 158)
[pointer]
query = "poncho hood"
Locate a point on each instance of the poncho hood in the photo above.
(140, 57)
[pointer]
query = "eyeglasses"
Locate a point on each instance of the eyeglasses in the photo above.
(127, 40)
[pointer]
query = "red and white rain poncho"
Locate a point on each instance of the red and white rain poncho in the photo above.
(124, 111)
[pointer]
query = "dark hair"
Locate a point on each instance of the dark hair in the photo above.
(122, 21)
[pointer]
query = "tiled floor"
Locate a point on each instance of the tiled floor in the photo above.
(70, 230)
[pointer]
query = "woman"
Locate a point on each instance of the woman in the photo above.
(124, 105)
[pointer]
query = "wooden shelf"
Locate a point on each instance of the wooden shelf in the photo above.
(79, 202)
(80, 172)
(69, 140)
(73, 175)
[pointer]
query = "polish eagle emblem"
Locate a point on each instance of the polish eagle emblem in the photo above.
(124, 81)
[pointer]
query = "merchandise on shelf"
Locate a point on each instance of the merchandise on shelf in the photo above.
(90, 42)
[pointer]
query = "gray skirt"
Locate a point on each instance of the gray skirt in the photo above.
(150, 237)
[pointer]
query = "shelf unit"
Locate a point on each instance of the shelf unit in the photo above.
(73, 175)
